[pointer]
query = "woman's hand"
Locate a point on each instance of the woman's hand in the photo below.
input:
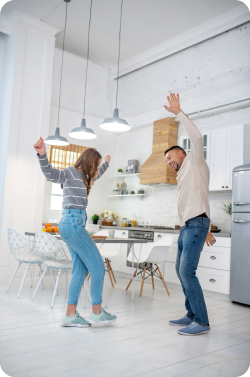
(210, 240)
(40, 147)
(107, 158)
(174, 104)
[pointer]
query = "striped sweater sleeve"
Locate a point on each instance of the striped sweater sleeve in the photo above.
(102, 170)
(54, 175)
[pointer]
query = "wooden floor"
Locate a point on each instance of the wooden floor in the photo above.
(139, 343)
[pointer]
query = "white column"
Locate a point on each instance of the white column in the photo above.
(25, 114)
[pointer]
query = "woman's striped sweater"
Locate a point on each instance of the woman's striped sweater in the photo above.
(74, 188)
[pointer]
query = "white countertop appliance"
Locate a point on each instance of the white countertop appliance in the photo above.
(240, 252)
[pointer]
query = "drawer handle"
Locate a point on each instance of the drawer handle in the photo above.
(212, 280)
(240, 203)
(159, 236)
(241, 221)
(212, 257)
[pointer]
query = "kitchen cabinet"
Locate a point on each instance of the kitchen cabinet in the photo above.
(214, 266)
(186, 145)
(229, 148)
(121, 263)
(224, 149)
(158, 236)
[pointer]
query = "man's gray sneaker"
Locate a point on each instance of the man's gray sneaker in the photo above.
(75, 321)
(184, 321)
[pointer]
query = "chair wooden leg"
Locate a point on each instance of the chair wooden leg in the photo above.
(131, 280)
(163, 280)
(112, 272)
(152, 276)
(107, 264)
(143, 278)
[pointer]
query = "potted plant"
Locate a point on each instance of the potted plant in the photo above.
(132, 192)
(120, 171)
(95, 219)
(227, 208)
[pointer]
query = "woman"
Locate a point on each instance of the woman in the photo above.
(76, 183)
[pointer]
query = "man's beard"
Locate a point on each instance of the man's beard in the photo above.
(177, 167)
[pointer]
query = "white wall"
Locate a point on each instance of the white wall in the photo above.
(73, 82)
(7, 59)
(212, 73)
(28, 77)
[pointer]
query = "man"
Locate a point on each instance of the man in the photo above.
(194, 213)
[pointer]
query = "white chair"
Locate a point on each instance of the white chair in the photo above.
(151, 254)
(55, 256)
(108, 251)
(25, 252)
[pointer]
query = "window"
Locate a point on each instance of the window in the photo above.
(61, 158)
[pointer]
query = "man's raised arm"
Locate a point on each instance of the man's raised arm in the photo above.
(191, 129)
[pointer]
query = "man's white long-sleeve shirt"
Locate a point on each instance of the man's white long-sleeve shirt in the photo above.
(193, 176)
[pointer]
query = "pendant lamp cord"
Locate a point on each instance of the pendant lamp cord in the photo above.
(62, 65)
(119, 55)
(87, 59)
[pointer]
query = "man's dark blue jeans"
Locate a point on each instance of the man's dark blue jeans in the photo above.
(190, 244)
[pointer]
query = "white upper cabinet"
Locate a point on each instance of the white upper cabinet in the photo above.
(218, 159)
(224, 149)
(186, 145)
(229, 148)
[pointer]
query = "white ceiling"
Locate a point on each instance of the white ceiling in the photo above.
(145, 23)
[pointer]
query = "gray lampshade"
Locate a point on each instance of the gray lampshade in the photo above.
(115, 124)
(57, 139)
(82, 132)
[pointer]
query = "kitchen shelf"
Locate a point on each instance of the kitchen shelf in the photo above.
(126, 175)
(126, 196)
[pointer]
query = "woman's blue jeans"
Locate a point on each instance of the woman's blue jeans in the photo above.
(190, 244)
(85, 256)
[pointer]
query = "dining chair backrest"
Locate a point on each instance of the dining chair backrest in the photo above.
(107, 250)
(20, 247)
(156, 250)
(49, 248)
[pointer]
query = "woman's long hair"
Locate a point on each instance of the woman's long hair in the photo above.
(88, 163)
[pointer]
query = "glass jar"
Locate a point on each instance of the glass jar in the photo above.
(124, 221)
(133, 221)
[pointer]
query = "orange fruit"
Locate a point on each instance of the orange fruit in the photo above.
(44, 230)
(55, 229)
(49, 229)
(48, 225)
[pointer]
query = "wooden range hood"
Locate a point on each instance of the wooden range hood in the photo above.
(155, 169)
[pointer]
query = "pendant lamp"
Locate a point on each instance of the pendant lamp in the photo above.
(83, 132)
(115, 123)
(57, 139)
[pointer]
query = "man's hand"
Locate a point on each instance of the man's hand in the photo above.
(107, 158)
(40, 147)
(174, 104)
(210, 240)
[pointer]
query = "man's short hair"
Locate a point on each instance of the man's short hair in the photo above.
(175, 147)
